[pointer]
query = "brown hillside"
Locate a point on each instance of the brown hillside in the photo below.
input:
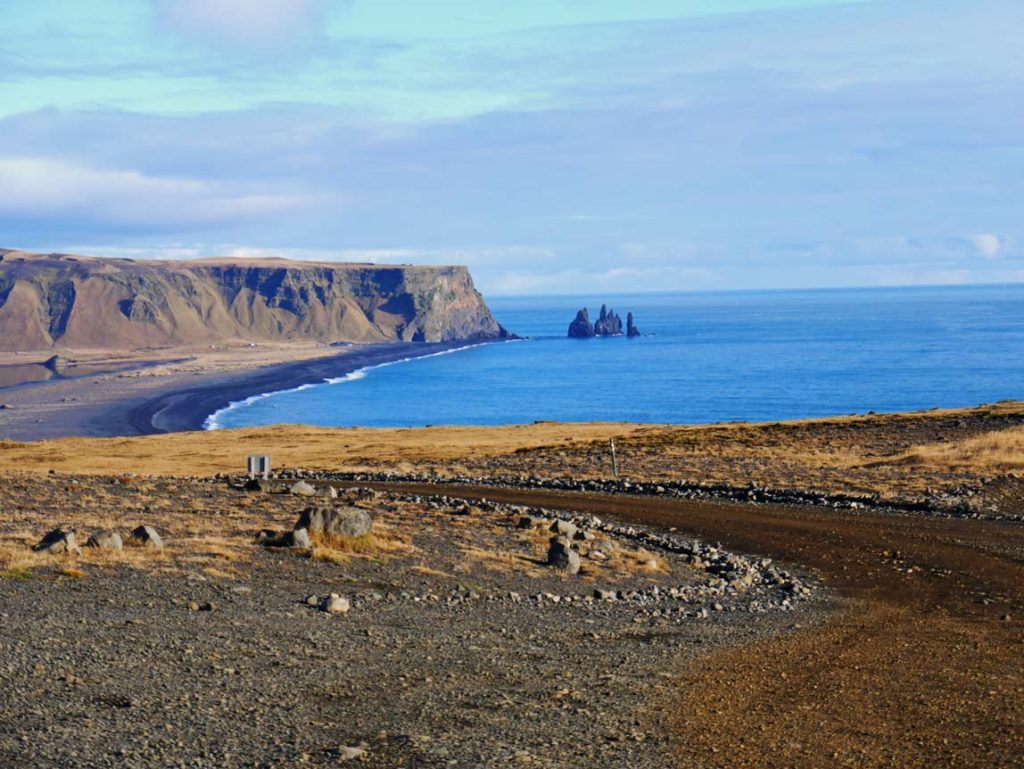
(59, 300)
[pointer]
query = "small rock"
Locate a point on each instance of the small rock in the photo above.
(299, 538)
(312, 600)
(60, 540)
(604, 595)
(350, 753)
(302, 489)
(334, 604)
(147, 536)
(564, 528)
(562, 556)
(105, 540)
(328, 492)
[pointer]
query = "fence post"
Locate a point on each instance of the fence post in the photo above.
(615, 462)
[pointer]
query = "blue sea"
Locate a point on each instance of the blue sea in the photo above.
(704, 357)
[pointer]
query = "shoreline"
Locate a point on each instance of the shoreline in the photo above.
(163, 397)
(211, 422)
(188, 410)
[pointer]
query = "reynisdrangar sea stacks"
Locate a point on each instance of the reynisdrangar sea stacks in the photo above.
(608, 323)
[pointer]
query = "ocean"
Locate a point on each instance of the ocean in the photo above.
(704, 357)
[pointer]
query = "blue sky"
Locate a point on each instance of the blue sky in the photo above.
(555, 147)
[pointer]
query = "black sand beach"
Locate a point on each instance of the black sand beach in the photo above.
(184, 410)
(115, 407)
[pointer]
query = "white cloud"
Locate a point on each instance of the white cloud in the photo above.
(988, 245)
(67, 192)
(614, 280)
(246, 22)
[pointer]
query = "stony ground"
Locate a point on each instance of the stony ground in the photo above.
(462, 647)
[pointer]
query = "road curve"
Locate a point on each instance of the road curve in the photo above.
(922, 667)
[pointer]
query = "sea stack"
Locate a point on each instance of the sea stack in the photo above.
(608, 323)
(581, 327)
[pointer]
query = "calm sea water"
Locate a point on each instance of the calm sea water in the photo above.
(705, 358)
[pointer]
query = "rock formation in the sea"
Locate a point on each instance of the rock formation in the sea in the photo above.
(581, 327)
(607, 324)
(61, 301)
(631, 329)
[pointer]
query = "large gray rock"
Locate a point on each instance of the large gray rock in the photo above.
(270, 538)
(147, 536)
(562, 556)
(328, 492)
(104, 539)
(564, 528)
(340, 521)
(302, 489)
(335, 604)
(299, 538)
(60, 540)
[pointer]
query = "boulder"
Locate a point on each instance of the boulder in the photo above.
(341, 521)
(105, 539)
(267, 536)
(328, 492)
(562, 556)
(302, 489)
(60, 540)
(581, 327)
(564, 528)
(147, 536)
(299, 538)
(271, 538)
(334, 604)
(257, 484)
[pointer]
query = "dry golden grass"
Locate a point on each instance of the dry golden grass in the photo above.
(996, 452)
(206, 453)
(17, 556)
(502, 561)
(628, 562)
(382, 542)
(427, 571)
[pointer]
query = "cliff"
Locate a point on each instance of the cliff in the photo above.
(58, 300)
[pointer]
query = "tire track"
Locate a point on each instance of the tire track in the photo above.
(921, 668)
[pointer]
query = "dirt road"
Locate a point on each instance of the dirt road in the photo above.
(924, 667)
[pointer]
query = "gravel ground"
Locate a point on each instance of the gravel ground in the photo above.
(462, 647)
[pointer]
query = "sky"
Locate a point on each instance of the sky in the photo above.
(554, 146)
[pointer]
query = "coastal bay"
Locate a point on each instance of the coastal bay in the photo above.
(181, 388)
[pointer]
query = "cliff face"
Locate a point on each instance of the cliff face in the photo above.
(57, 300)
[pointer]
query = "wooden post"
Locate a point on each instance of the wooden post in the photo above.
(615, 462)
